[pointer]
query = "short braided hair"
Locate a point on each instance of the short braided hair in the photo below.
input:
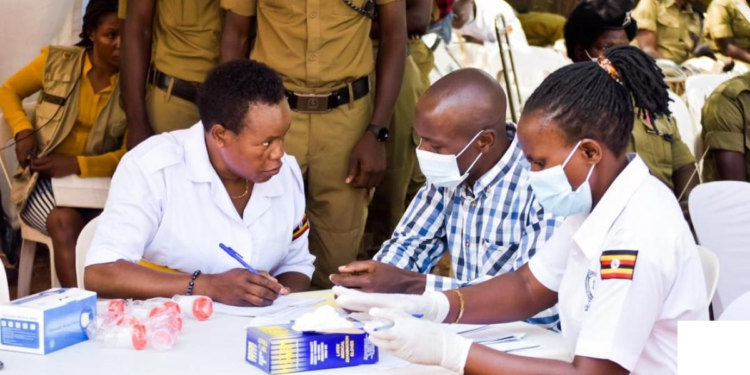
(586, 102)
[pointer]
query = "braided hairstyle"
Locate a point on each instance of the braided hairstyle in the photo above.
(587, 101)
(95, 11)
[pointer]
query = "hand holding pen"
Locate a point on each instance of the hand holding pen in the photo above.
(242, 286)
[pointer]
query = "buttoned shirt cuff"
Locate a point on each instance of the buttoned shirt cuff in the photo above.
(21, 126)
(721, 32)
(586, 347)
(83, 165)
(722, 140)
(543, 274)
(305, 270)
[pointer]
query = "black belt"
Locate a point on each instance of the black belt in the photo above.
(181, 89)
(318, 103)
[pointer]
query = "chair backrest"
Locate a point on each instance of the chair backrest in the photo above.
(739, 309)
(4, 291)
(720, 212)
(82, 248)
(685, 124)
(711, 268)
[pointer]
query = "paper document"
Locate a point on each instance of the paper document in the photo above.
(74, 191)
(284, 307)
(513, 346)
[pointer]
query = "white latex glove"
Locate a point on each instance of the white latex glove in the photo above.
(419, 341)
(432, 306)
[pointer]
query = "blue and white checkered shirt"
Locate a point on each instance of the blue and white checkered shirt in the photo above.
(490, 229)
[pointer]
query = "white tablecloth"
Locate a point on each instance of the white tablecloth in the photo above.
(217, 346)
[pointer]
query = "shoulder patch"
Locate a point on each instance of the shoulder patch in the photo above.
(618, 264)
(300, 229)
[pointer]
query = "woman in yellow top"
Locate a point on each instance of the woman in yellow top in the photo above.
(79, 127)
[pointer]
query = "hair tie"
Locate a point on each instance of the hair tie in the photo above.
(605, 64)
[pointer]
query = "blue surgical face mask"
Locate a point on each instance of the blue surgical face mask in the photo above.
(554, 192)
(442, 170)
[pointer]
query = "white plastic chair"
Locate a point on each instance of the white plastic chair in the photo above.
(685, 125)
(29, 235)
(711, 268)
(739, 309)
(82, 248)
(4, 292)
(721, 216)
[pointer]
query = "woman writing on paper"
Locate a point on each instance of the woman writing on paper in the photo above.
(79, 127)
(623, 268)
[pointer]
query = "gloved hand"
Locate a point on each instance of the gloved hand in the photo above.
(433, 306)
(419, 341)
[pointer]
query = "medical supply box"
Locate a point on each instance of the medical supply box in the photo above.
(48, 321)
(279, 349)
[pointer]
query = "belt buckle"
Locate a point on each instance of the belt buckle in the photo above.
(312, 103)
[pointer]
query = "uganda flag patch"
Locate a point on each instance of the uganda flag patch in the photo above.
(618, 264)
(301, 228)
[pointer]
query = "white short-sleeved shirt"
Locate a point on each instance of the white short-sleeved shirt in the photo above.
(483, 26)
(168, 206)
(616, 304)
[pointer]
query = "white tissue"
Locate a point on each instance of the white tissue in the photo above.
(324, 318)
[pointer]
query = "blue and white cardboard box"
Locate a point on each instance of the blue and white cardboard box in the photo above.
(48, 321)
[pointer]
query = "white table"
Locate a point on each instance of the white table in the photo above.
(217, 346)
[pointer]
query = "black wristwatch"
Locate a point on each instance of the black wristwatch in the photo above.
(381, 134)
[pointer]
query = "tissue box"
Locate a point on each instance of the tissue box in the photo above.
(46, 322)
(280, 350)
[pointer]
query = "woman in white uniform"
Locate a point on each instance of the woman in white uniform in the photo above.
(226, 180)
(623, 267)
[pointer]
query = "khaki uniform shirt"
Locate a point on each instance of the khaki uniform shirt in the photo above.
(542, 29)
(724, 20)
(187, 35)
(675, 27)
(316, 45)
(660, 155)
(726, 122)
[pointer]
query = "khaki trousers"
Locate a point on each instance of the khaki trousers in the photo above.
(322, 144)
(167, 112)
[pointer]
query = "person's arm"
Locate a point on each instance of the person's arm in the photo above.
(646, 13)
(20, 85)
(730, 165)
(235, 36)
(367, 162)
(404, 260)
(418, 14)
(723, 123)
(136, 55)
(648, 42)
(728, 47)
(485, 360)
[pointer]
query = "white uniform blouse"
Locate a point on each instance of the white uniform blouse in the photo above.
(168, 206)
(625, 274)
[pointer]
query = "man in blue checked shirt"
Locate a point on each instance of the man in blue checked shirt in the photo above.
(477, 203)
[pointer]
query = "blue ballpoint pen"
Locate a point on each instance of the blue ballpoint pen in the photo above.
(391, 324)
(238, 258)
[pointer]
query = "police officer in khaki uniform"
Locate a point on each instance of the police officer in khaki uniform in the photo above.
(390, 199)
(542, 29)
(726, 131)
(170, 46)
(728, 29)
(668, 29)
(322, 50)
(657, 141)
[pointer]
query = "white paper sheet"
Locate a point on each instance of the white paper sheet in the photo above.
(283, 308)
